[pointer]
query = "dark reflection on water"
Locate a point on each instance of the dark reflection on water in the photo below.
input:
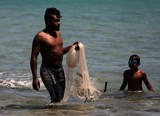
(110, 103)
(21, 107)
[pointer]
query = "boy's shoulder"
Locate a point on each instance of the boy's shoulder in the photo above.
(127, 71)
(141, 71)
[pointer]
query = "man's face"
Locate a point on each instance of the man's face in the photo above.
(55, 22)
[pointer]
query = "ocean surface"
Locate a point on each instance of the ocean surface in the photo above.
(111, 31)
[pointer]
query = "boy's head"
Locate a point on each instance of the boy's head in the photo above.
(134, 59)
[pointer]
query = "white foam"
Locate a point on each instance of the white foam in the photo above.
(16, 80)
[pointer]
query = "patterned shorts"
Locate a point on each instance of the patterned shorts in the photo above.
(54, 81)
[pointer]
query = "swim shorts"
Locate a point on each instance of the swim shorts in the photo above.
(54, 81)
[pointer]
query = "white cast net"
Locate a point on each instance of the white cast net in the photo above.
(78, 82)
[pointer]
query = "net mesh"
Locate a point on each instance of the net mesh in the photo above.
(78, 82)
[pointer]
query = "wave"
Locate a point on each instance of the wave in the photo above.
(16, 79)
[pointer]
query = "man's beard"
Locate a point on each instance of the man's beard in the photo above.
(57, 28)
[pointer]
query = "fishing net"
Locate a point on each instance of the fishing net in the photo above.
(78, 82)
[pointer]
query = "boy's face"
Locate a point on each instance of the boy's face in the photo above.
(133, 64)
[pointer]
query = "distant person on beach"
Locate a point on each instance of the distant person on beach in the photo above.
(49, 44)
(134, 76)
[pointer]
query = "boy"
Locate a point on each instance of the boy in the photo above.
(134, 76)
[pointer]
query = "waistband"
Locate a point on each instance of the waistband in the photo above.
(51, 67)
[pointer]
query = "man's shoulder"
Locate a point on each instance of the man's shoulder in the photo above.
(40, 35)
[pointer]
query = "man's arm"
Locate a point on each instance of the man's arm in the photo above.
(66, 49)
(147, 83)
(33, 62)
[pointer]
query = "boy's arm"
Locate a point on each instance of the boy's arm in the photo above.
(124, 83)
(147, 83)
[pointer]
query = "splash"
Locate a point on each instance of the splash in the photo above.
(78, 82)
(15, 80)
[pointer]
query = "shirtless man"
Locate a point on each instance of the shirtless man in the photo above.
(49, 44)
(134, 76)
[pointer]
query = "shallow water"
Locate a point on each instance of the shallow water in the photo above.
(114, 104)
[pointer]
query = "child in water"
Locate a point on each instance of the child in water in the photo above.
(134, 76)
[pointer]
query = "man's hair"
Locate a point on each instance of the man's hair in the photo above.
(135, 57)
(51, 11)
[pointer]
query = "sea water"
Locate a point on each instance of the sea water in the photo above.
(111, 31)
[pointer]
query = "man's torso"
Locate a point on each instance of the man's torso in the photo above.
(51, 49)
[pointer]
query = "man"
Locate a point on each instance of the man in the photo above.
(134, 76)
(49, 44)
